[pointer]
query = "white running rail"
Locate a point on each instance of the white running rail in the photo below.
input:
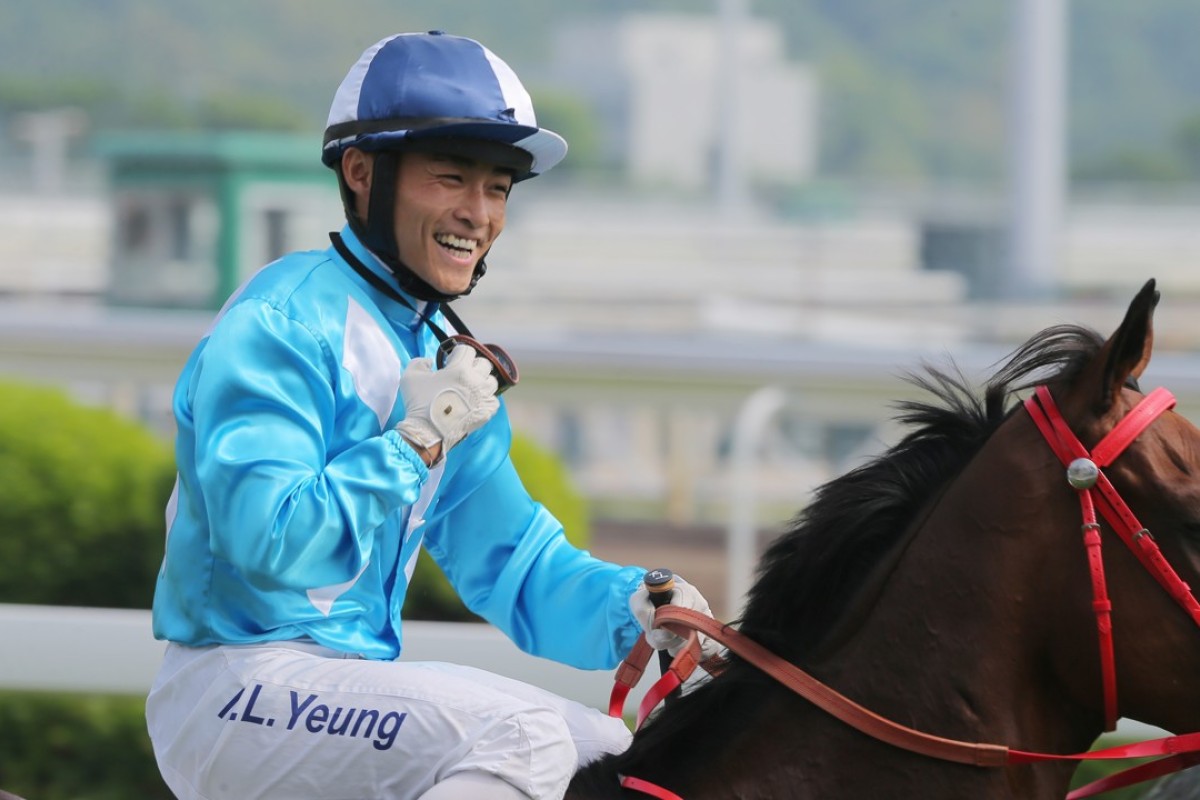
(104, 650)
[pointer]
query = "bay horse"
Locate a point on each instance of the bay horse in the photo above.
(944, 585)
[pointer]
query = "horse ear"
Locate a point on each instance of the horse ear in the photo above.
(1127, 352)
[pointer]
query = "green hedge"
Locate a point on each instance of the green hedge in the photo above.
(77, 747)
(81, 502)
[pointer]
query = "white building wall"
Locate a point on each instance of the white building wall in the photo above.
(670, 63)
(673, 64)
(779, 125)
(1121, 245)
(53, 244)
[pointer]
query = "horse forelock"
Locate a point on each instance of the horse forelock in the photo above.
(812, 571)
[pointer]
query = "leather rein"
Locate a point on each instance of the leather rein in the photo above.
(1086, 476)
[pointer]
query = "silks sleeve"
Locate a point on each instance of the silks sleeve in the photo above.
(509, 560)
(288, 504)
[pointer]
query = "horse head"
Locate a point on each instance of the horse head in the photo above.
(1155, 638)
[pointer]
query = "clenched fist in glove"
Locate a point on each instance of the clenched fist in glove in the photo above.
(684, 595)
(442, 406)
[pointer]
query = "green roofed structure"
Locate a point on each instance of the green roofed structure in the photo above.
(195, 213)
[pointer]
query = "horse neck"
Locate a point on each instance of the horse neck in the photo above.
(953, 637)
(960, 634)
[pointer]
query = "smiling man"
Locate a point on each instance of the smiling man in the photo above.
(449, 209)
(328, 429)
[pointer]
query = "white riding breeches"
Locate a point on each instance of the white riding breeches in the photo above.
(295, 721)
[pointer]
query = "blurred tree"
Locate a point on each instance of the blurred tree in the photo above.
(1187, 141)
(872, 125)
(1175, 161)
(1130, 166)
(244, 111)
(108, 105)
(571, 118)
(926, 101)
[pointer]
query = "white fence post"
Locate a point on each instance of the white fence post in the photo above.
(742, 542)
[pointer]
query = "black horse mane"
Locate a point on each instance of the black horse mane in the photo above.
(811, 572)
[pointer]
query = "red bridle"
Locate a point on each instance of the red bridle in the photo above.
(1084, 473)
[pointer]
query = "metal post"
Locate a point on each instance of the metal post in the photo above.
(741, 542)
(1036, 149)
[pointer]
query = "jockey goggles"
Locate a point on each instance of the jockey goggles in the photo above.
(504, 368)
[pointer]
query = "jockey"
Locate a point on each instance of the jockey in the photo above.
(328, 428)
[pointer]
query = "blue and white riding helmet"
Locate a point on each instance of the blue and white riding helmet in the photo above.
(416, 86)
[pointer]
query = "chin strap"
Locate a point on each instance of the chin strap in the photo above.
(383, 286)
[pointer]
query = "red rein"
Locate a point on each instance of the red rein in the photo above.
(1173, 753)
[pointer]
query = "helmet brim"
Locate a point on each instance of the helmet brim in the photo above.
(545, 148)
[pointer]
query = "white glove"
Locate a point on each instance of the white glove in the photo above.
(445, 405)
(686, 596)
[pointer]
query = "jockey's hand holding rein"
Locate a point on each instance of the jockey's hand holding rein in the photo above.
(443, 406)
(686, 596)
